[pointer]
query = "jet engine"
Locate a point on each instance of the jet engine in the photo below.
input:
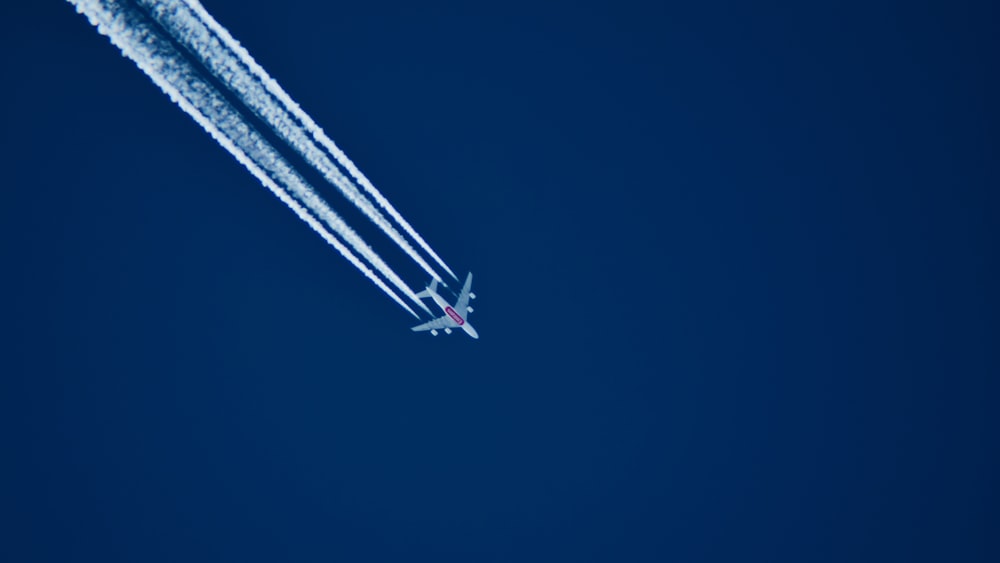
(434, 332)
(472, 295)
(447, 331)
(469, 309)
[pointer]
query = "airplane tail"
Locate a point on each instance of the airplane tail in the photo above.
(432, 288)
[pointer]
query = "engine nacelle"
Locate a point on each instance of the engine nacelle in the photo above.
(447, 331)
(434, 332)
(469, 309)
(472, 295)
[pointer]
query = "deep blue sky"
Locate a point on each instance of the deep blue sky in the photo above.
(736, 267)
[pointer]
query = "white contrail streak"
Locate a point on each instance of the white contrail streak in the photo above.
(187, 21)
(185, 26)
(168, 70)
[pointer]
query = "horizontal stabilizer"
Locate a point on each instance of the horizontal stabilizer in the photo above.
(432, 288)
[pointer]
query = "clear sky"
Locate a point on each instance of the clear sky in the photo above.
(736, 266)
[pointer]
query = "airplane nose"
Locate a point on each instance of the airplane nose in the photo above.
(472, 332)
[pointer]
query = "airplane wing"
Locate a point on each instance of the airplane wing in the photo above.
(438, 323)
(462, 305)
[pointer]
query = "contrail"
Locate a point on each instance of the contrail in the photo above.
(187, 21)
(174, 75)
(183, 24)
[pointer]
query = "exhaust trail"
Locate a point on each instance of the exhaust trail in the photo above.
(183, 24)
(187, 21)
(156, 57)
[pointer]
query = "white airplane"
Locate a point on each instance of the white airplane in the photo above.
(455, 317)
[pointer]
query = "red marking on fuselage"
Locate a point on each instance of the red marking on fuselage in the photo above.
(454, 316)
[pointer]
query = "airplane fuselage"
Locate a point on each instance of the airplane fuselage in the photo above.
(462, 323)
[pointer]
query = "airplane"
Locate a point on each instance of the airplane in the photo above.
(455, 317)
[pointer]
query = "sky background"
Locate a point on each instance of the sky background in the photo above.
(736, 267)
